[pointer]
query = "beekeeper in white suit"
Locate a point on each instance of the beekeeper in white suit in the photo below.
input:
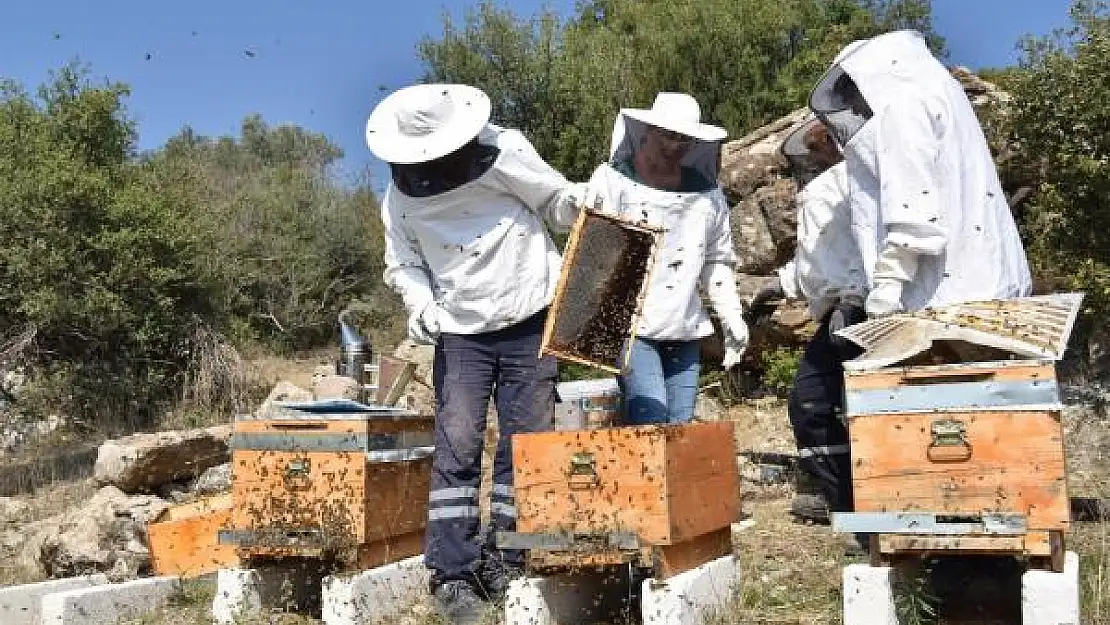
(466, 245)
(827, 272)
(663, 171)
(928, 213)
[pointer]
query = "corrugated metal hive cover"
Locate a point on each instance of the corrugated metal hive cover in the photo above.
(1030, 327)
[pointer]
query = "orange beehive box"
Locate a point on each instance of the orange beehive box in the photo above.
(183, 538)
(665, 484)
(960, 441)
(309, 482)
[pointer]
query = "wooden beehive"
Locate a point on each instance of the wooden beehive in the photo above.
(606, 269)
(674, 487)
(183, 538)
(960, 441)
(314, 483)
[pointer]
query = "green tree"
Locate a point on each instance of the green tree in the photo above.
(98, 260)
(289, 246)
(746, 61)
(1059, 112)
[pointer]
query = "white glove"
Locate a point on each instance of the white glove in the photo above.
(885, 298)
(720, 286)
(580, 195)
(423, 325)
(896, 265)
(735, 340)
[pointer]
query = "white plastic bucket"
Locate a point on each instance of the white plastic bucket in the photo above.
(588, 404)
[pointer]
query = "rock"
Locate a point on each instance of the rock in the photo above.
(755, 248)
(744, 173)
(213, 481)
(283, 391)
(13, 510)
(776, 202)
(334, 387)
(143, 462)
(105, 535)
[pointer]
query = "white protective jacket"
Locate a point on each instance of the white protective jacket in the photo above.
(696, 250)
(826, 265)
(480, 251)
(927, 207)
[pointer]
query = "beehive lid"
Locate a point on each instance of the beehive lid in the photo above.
(1028, 327)
(341, 409)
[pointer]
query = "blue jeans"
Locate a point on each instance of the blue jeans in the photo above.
(660, 384)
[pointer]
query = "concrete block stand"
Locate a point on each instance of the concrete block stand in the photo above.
(1049, 598)
(686, 599)
(375, 595)
(110, 603)
(690, 598)
(869, 595)
(22, 605)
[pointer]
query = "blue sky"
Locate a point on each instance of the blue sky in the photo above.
(323, 64)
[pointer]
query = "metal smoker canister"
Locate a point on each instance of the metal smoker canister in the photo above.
(355, 354)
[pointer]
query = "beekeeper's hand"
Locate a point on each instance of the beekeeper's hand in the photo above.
(896, 265)
(771, 290)
(885, 298)
(423, 325)
(736, 339)
(579, 195)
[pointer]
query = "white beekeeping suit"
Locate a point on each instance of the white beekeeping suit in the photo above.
(697, 242)
(827, 267)
(928, 213)
(450, 255)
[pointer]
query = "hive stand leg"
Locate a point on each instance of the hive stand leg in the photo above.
(1050, 598)
(1059, 555)
(392, 549)
(681, 557)
(584, 596)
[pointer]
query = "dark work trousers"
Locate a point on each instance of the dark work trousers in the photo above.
(815, 408)
(467, 370)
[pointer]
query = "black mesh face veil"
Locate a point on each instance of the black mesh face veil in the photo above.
(700, 159)
(839, 104)
(810, 150)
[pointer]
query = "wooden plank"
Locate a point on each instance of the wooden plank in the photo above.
(396, 499)
(1016, 465)
(629, 493)
(1057, 552)
(893, 378)
(183, 539)
(571, 561)
(1032, 544)
(387, 550)
(703, 483)
(684, 556)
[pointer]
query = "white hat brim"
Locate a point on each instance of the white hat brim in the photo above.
(702, 132)
(386, 141)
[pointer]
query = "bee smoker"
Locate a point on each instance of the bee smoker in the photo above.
(355, 358)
